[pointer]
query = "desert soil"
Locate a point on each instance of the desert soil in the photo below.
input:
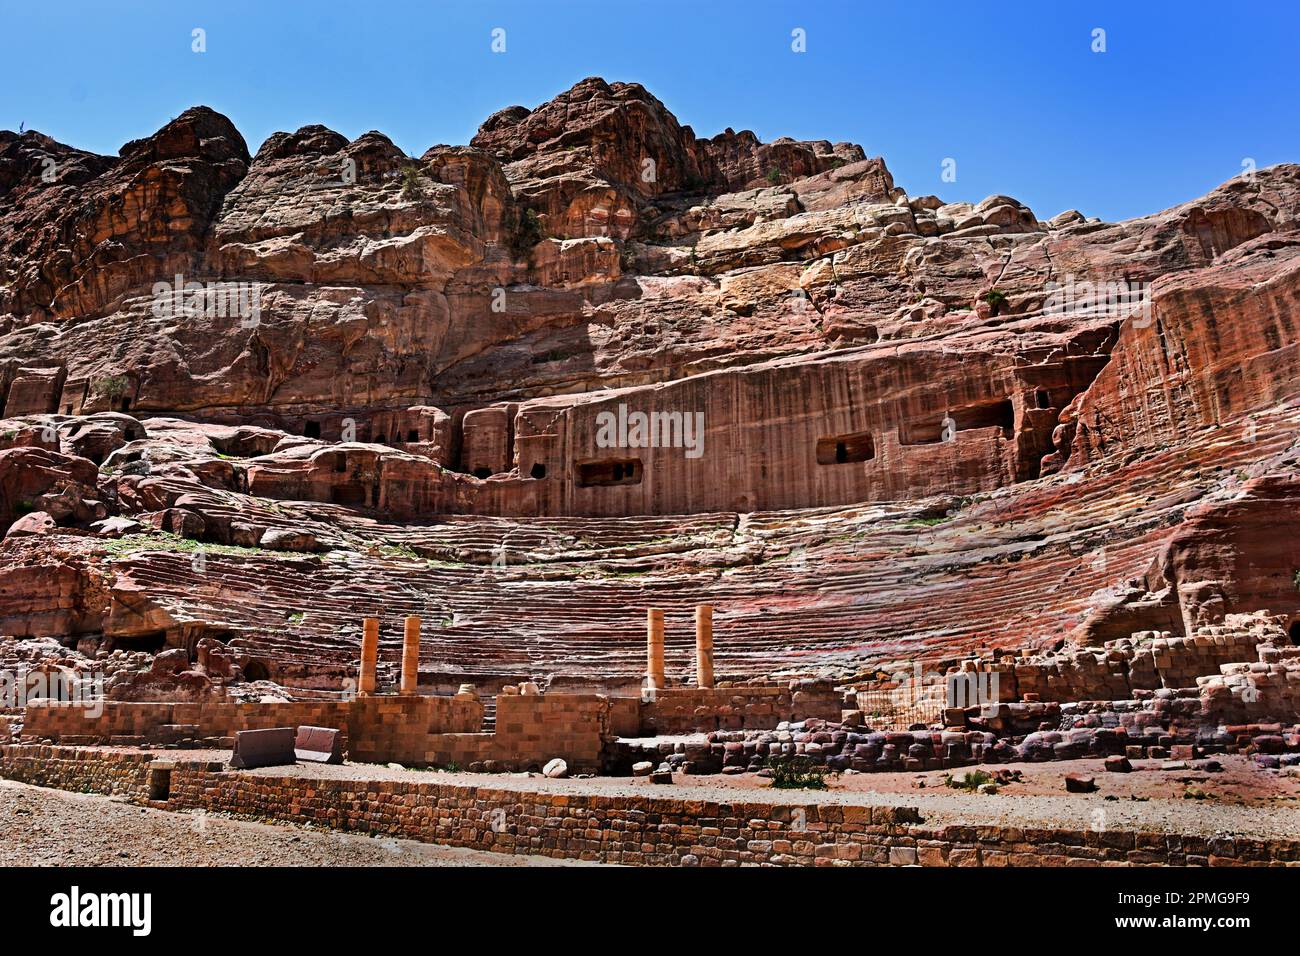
(43, 827)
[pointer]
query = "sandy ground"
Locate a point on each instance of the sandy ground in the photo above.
(41, 827)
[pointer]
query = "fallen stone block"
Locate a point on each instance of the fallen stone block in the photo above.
(263, 748)
(1077, 783)
(319, 745)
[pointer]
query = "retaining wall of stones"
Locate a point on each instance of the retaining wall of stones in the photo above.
(530, 730)
(1159, 728)
(418, 730)
(749, 706)
(656, 830)
(378, 728)
(81, 770)
(1148, 660)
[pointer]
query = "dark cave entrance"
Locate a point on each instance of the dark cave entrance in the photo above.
(621, 471)
(152, 642)
(256, 670)
(844, 449)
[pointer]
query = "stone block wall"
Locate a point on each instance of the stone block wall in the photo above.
(163, 723)
(625, 716)
(115, 773)
(531, 729)
(537, 727)
(638, 830)
(751, 706)
(1267, 689)
(1149, 660)
(378, 729)
(385, 728)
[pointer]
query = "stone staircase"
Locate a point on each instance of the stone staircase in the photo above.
(489, 713)
(795, 592)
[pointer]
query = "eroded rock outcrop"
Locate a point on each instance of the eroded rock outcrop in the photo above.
(593, 361)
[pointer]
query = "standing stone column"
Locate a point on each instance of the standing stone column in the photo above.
(411, 655)
(369, 656)
(655, 648)
(704, 645)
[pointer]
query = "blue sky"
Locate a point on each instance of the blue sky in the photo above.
(1010, 90)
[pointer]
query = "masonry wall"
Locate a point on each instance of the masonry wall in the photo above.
(635, 830)
(753, 706)
(377, 729)
(115, 773)
(1147, 661)
(395, 728)
(625, 716)
(531, 729)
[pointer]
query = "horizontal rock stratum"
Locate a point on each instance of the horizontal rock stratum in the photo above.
(592, 362)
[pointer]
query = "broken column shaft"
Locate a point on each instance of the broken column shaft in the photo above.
(655, 648)
(369, 655)
(704, 645)
(411, 655)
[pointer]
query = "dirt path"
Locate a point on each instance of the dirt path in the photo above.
(40, 827)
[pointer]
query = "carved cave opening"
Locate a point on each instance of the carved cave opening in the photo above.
(999, 413)
(614, 471)
(153, 642)
(256, 670)
(994, 413)
(844, 449)
(353, 493)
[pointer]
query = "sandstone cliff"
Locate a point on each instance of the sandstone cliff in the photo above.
(252, 398)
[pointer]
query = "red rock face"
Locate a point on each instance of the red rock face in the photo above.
(590, 362)
(80, 230)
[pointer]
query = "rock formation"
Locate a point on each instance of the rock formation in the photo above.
(592, 362)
